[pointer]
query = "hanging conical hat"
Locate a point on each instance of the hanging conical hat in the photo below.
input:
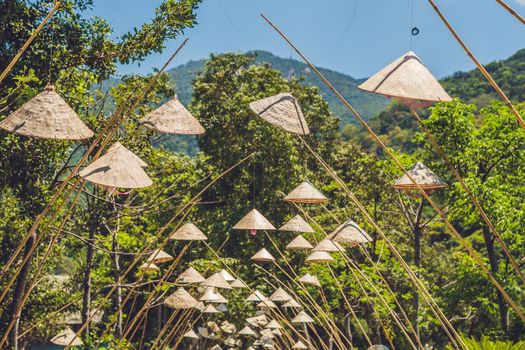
(283, 111)
(292, 303)
(190, 334)
(210, 309)
(190, 276)
(305, 193)
(118, 168)
(267, 333)
(302, 317)
(309, 279)
(280, 295)
(423, 176)
(256, 297)
(263, 256)
(254, 221)
(257, 321)
(351, 234)
(300, 346)
(247, 331)
(188, 232)
(407, 79)
(216, 280)
(238, 284)
(67, 337)
(159, 256)
(149, 267)
(216, 347)
(221, 308)
(267, 304)
(226, 275)
(327, 245)
(181, 300)
(173, 118)
(200, 306)
(299, 243)
(47, 116)
(319, 257)
(297, 224)
(273, 324)
(212, 296)
(277, 332)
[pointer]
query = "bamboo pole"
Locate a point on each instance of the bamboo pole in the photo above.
(511, 11)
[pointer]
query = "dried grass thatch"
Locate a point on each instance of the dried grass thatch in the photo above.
(239, 284)
(216, 280)
(67, 337)
(280, 295)
(299, 243)
(159, 256)
(47, 116)
(263, 256)
(247, 331)
(283, 111)
(349, 233)
(149, 267)
(181, 300)
(408, 80)
(227, 276)
(299, 346)
(254, 221)
(327, 245)
(173, 118)
(302, 317)
(190, 334)
(310, 279)
(423, 176)
(257, 321)
(273, 324)
(292, 303)
(297, 224)
(212, 296)
(210, 309)
(190, 276)
(256, 297)
(319, 257)
(188, 232)
(306, 193)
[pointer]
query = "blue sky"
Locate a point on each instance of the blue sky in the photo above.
(356, 37)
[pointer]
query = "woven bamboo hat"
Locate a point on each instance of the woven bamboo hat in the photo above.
(239, 284)
(423, 176)
(67, 337)
(292, 303)
(216, 347)
(257, 321)
(327, 245)
(273, 324)
(263, 256)
(190, 334)
(267, 304)
(216, 280)
(302, 317)
(190, 276)
(149, 267)
(47, 116)
(173, 118)
(159, 256)
(280, 295)
(299, 243)
(254, 221)
(200, 306)
(188, 232)
(350, 233)
(297, 224)
(181, 300)
(299, 346)
(283, 111)
(212, 296)
(226, 275)
(118, 168)
(221, 308)
(319, 257)
(247, 331)
(407, 79)
(256, 297)
(210, 309)
(305, 193)
(310, 279)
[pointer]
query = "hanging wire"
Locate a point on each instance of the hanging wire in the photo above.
(346, 30)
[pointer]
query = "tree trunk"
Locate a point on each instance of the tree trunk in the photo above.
(493, 260)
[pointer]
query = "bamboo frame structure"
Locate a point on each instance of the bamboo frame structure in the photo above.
(511, 11)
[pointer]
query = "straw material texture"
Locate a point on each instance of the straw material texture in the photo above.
(423, 176)
(273, 324)
(297, 224)
(327, 245)
(180, 300)
(292, 303)
(221, 308)
(190, 334)
(210, 309)
(173, 118)
(319, 257)
(280, 295)
(350, 233)
(302, 317)
(188, 232)
(118, 168)
(310, 279)
(66, 337)
(282, 111)
(299, 346)
(47, 116)
(305, 193)
(216, 280)
(263, 256)
(267, 304)
(254, 221)
(257, 321)
(239, 284)
(256, 297)
(247, 331)
(299, 243)
(212, 296)
(226, 275)
(409, 80)
(149, 267)
(190, 276)
(159, 256)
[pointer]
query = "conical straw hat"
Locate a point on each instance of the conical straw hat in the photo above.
(181, 300)
(351, 234)
(257, 321)
(309, 279)
(254, 221)
(247, 331)
(239, 284)
(299, 346)
(273, 324)
(200, 306)
(190, 276)
(256, 297)
(47, 116)
(188, 232)
(226, 275)
(216, 347)
(267, 304)
(407, 79)
(283, 111)
(319, 257)
(280, 295)
(299, 243)
(423, 176)
(327, 245)
(212, 296)
(302, 317)
(305, 193)
(267, 333)
(159, 256)
(221, 308)
(263, 256)
(119, 168)
(216, 280)
(292, 303)
(297, 224)
(277, 332)
(67, 337)
(149, 267)
(173, 118)
(190, 334)
(210, 309)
